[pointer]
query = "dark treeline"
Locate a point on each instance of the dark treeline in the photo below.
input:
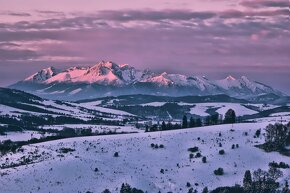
(277, 137)
(29, 122)
(12, 146)
(214, 119)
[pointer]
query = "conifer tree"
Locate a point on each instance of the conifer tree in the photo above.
(247, 181)
(184, 122)
(125, 188)
(163, 126)
(205, 190)
(191, 122)
(198, 122)
(230, 116)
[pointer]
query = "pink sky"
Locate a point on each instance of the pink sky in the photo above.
(202, 37)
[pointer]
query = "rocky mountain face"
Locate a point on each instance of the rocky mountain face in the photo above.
(110, 79)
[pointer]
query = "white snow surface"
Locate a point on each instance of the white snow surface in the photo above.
(264, 107)
(22, 136)
(154, 104)
(240, 110)
(76, 91)
(280, 114)
(138, 164)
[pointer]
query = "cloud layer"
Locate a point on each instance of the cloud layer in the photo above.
(249, 38)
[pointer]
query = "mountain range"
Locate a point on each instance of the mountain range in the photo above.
(110, 79)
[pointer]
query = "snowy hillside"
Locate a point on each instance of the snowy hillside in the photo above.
(143, 107)
(138, 163)
(14, 105)
(109, 79)
(201, 109)
(71, 146)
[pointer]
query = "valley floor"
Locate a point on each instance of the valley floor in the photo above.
(138, 163)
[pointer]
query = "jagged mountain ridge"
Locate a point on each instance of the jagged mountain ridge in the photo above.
(110, 79)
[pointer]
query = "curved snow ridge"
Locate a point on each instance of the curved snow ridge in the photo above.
(154, 104)
(76, 91)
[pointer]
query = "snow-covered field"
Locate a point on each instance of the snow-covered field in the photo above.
(280, 114)
(264, 107)
(4, 110)
(22, 136)
(139, 164)
(240, 110)
(84, 111)
(273, 119)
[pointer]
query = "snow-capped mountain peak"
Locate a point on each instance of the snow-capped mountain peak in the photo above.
(126, 77)
(230, 78)
(43, 75)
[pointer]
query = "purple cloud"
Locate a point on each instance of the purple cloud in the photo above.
(266, 3)
(221, 42)
(17, 14)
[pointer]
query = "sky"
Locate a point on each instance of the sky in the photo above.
(215, 38)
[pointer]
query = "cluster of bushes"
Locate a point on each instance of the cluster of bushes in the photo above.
(219, 172)
(164, 127)
(116, 154)
(221, 152)
(277, 137)
(156, 146)
(261, 182)
(70, 132)
(126, 188)
(234, 146)
(8, 146)
(235, 189)
(193, 149)
(257, 133)
(66, 150)
(282, 165)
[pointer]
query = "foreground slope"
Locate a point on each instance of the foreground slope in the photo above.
(138, 163)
